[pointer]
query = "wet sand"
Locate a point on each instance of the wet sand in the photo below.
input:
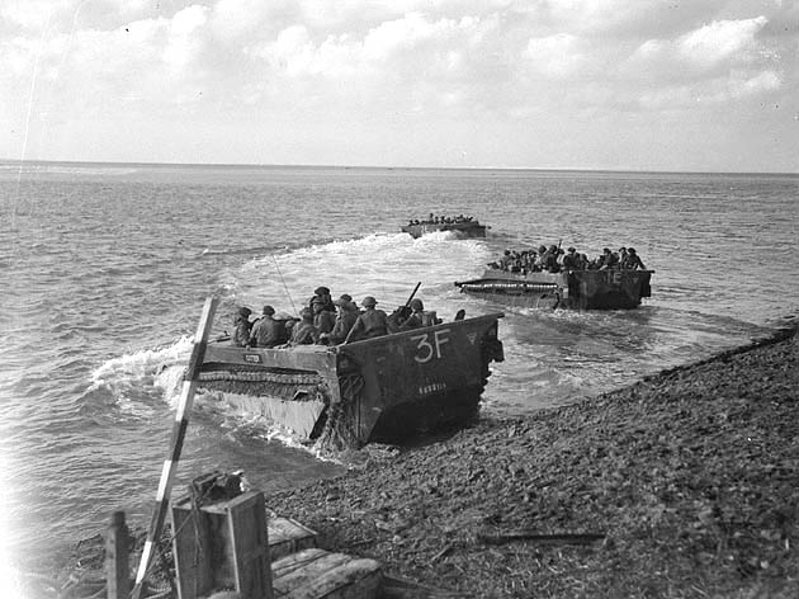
(685, 484)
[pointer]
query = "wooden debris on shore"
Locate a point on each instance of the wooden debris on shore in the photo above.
(314, 573)
(537, 537)
(299, 569)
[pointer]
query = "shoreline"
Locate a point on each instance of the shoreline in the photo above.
(680, 485)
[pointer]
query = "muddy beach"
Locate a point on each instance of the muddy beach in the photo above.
(681, 485)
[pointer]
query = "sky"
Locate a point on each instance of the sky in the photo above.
(662, 85)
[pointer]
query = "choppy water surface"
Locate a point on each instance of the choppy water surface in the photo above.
(106, 267)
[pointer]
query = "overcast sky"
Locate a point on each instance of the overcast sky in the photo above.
(635, 84)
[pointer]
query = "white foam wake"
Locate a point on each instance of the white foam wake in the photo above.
(386, 266)
(132, 375)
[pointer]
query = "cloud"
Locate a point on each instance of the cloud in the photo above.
(556, 56)
(303, 62)
(741, 85)
(185, 37)
(400, 35)
(717, 62)
(35, 16)
(721, 41)
(467, 51)
(424, 60)
(736, 85)
(245, 21)
(25, 15)
(620, 19)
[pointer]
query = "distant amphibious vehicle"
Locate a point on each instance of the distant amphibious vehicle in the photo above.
(610, 289)
(461, 227)
(379, 389)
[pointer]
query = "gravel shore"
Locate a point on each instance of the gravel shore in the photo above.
(685, 484)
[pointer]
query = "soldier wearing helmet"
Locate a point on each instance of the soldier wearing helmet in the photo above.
(241, 322)
(608, 259)
(418, 318)
(347, 315)
(305, 333)
(632, 261)
(372, 322)
(268, 331)
(321, 295)
(570, 260)
(323, 319)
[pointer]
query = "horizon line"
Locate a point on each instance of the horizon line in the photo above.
(22, 161)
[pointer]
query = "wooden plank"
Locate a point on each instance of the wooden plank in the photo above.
(291, 570)
(191, 549)
(317, 574)
(248, 531)
(533, 535)
(288, 536)
(222, 545)
(356, 579)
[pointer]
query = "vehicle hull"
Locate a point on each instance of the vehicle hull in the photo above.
(465, 230)
(611, 289)
(381, 389)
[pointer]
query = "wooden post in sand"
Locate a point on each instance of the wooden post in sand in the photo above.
(176, 445)
(116, 558)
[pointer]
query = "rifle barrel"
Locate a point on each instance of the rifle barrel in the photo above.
(415, 289)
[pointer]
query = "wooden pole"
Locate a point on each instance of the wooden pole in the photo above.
(116, 558)
(176, 443)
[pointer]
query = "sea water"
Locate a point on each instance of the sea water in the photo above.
(105, 269)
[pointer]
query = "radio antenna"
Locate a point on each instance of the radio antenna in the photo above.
(282, 280)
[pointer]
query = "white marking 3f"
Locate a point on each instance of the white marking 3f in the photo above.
(427, 350)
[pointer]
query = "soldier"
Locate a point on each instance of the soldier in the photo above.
(370, 323)
(548, 260)
(348, 298)
(267, 331)
(505, 260)
(347, 315)
(571, 259)
(418, 318)
(322, 294)
(607, 260)
(622, 254)
(632, 261)
(241, 334)
(304, 332)
(323, 319)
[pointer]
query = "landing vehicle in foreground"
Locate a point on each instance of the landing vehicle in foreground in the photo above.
(381, 389)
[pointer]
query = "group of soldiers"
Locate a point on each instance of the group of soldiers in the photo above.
(554, 259)
(326, 321)
(432, 219)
